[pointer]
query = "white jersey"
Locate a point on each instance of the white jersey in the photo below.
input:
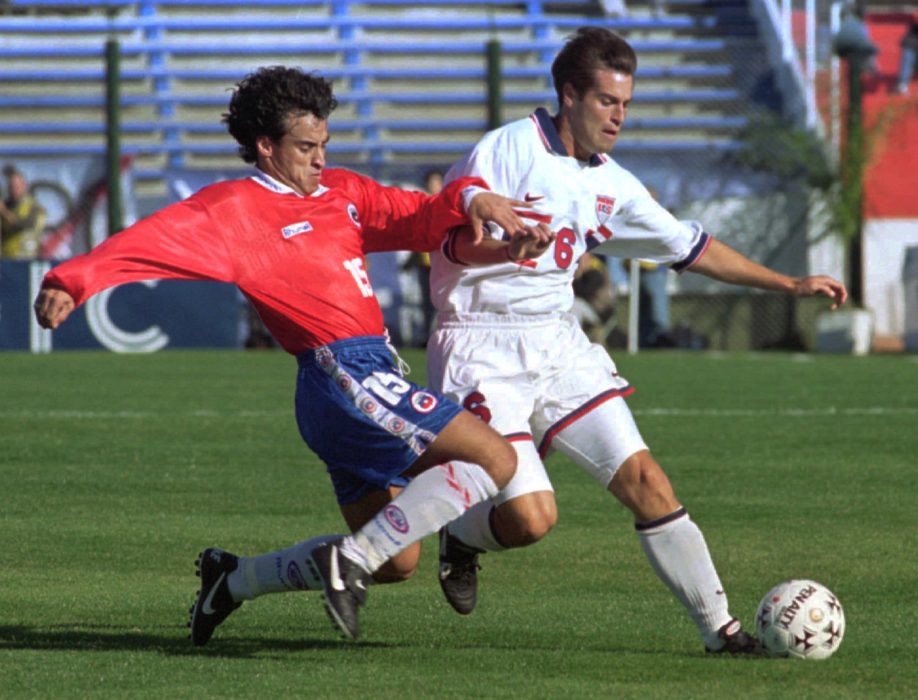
(592, 207)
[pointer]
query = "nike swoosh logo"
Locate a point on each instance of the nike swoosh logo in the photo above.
(335, 579)
(207, 609)
(533, 197)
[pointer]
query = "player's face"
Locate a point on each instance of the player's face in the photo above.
(597, 117)
(298, 157)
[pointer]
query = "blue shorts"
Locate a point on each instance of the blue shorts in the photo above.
(365, 421)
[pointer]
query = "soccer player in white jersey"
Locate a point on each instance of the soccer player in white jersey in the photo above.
(507, 348)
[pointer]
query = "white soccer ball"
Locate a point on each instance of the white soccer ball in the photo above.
(800, 619)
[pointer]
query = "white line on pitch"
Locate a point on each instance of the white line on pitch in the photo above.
(792, 412)
(662, 412)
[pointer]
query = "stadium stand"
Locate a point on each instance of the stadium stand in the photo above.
(411, 77)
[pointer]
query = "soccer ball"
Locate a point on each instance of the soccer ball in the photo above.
(800, 619)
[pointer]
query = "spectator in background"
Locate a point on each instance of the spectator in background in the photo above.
(433, 181)
(594, 301)
(908, 61)
(22, 218)
(420, 262)
(653, 315)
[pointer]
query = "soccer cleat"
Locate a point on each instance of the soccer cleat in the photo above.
(737, 641)
(344, 583)
(458, 573)
(213, 603)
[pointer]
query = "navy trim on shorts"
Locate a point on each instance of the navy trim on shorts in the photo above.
(579, 413)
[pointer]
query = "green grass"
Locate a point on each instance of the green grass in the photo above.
(116, 470)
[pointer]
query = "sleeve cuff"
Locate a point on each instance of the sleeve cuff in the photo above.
(449, 247)
(695, 254)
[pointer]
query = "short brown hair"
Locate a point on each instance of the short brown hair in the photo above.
(591, 49)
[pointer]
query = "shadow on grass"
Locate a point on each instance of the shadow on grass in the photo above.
(107, 638)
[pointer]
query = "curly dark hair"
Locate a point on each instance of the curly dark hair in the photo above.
(264, 101)
(588, 50)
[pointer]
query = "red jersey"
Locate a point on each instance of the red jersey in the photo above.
(299, 260)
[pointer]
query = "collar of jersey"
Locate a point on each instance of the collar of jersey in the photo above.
(552, 140)
(269, 183)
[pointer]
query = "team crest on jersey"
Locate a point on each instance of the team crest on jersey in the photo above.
(352, 212)
(604, 207)
(296, 229)
(422, 402)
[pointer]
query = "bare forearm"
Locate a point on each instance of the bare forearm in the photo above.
(527, 243)
(487, 252)
(723, 263)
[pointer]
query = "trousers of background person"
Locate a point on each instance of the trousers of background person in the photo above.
(653, 319)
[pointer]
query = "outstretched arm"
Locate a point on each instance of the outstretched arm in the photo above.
(721, 262)
(178, 242)
(396, 219)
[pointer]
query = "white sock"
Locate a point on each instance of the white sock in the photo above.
(678, 553)
(474, 528)
(276, 572)
(429, 502)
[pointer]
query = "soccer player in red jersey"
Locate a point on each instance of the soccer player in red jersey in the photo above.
(293, 238)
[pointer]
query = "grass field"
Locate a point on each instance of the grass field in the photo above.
(116, 470)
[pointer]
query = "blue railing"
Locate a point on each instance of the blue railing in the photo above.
(361, 60)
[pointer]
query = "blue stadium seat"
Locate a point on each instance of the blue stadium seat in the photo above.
(411, 83)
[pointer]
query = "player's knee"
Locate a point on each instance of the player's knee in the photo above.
(534, 528)
(520, 527)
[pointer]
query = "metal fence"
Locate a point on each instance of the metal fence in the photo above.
(412, 81)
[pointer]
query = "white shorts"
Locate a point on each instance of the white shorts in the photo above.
(537, 380)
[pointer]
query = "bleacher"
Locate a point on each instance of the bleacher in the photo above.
(411, 77)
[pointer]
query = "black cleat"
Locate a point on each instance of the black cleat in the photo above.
(737, 641)
(458, 573)
(344, 583)
(213, 603)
